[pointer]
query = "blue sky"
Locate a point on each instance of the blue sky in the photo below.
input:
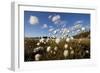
(38, 24)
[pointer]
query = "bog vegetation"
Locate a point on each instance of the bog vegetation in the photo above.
(52, 48)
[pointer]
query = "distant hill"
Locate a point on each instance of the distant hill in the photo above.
(80, 35)
(83, 35)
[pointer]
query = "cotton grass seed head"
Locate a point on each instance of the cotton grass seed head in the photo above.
(47, 40)
(87, 51)
(44, 42)
(65, 53)
(72, 52)
(37, 57)
(54, 52)
(66, 46)
(38, 44)
(51, 51)
(67, 39)
(57, 40)
(70, 48)
(37, 49)
(41, 40)
(71, 38)
(48, 49)
(83, 29)
(55, 48)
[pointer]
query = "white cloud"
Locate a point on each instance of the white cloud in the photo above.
(55, 18)
(77, 25)
(57, 22)
(78, 22)
(50, 26)
(45, 26)
(50, 16)
(51, 29)
(33, 20)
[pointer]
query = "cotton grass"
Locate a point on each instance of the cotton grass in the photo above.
(65, 53)
(37, 57)
(66, 46)
(48, 49)
(55, 48)
(67, 39)
(57, 40)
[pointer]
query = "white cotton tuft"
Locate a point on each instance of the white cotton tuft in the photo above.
(66, 46)
(37, 49)
(41, 40)
(67, 39)
(83, 29)
(72, 52)
(57, 40)
(51, 51)
(38, 44)
(65, 53)
(87, 51)
(47, 40)
(55, 48)
(48, 49)
(37, 57)
(70, 48)
(71, 38)
(54, 52)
